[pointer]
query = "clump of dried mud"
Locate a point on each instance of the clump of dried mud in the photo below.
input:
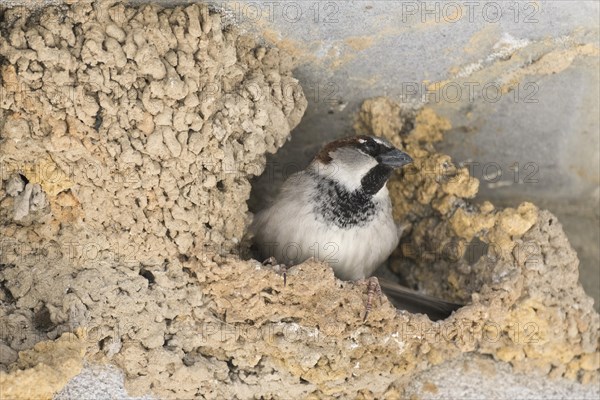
(513, 267)
(45, 369)
(128, 138)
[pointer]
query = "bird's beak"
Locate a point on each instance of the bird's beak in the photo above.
(394, 158)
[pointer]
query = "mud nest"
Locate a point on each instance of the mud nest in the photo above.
(128, 138)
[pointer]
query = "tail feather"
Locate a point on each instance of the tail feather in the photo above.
(415, 302)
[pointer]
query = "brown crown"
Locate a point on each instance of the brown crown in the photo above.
(324, 154)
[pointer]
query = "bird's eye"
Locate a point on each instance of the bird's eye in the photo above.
(370, 147)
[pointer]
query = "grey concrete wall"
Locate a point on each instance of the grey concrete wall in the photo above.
(352, 50)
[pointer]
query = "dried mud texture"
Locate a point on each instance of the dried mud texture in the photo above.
(514, 268)
(139, 124)
(254, 337)
(45, 369)
(128, 136)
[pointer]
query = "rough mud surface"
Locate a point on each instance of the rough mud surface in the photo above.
(42, 371)
(128, 136)
(514, 268)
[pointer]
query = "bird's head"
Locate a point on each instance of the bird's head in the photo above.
(359, 162)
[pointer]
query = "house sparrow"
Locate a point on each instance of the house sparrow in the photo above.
(338, 210)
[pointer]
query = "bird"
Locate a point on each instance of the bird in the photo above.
(338, 210)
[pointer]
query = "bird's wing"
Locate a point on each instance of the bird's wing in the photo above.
(415, 302)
